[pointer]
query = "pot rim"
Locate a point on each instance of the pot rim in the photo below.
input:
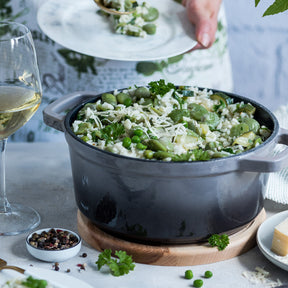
(272, 137)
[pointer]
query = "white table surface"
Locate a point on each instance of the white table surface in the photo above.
(39, 174)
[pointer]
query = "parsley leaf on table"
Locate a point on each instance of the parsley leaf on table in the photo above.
(118, 267)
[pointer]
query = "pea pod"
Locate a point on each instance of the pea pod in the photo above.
(156, 145)
(160, 155)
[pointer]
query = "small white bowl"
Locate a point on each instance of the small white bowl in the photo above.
(53, 255)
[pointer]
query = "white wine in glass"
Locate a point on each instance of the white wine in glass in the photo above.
(20, 97)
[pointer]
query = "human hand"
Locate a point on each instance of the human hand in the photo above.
(203, 14)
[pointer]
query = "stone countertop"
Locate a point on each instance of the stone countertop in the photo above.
(39, 175)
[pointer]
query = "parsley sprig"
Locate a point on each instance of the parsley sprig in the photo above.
(160, 87)
(118, 266)
(219, 241)
(112, 132)
(277, 7)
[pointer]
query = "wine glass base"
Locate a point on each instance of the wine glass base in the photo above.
(21, 219)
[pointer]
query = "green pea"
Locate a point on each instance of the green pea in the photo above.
(136, 139)
(142, 92)
(197, 111)
(126, 142)
(152, 14)
(128, 102)
(148, 154)
(208, 274)
(138, 132)
(239, 129)
(109, 98)
(188, 274)
(198, 283)
(150, 28)
(141, 146)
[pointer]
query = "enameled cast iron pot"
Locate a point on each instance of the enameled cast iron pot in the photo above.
(167, 202)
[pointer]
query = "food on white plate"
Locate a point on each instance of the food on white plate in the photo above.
(27, 282)
(280, 239)
(140, 23)
(169, 123)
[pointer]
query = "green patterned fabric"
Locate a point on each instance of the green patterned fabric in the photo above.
(64, 71)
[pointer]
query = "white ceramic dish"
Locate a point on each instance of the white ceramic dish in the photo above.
(265, 236)
(57, 279)
(77, 26)
(53, 255)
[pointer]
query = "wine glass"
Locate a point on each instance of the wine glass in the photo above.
(20, 97)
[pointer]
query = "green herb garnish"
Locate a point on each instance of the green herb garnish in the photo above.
(160, 87)
(219, 241)
(34, 283)
(277, 7)
(118, 267)
(112, 132)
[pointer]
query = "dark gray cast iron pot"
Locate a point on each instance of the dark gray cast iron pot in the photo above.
(167, 202)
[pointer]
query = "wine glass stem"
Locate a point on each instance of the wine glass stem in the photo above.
(4, 204)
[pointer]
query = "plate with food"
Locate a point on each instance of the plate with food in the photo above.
(84, 28)
(39, 277)
(272, 239)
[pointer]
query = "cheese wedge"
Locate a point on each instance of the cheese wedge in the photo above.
(280, 239)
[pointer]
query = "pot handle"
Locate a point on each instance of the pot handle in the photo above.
(269, 163)
(54, 114)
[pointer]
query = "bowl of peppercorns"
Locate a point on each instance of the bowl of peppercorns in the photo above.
(53, 244)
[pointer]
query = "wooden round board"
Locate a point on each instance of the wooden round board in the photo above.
(171, 255)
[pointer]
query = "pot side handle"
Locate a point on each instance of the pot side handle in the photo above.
(54, 114)
(269, 163)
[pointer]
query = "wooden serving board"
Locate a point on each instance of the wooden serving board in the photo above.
(172, 255)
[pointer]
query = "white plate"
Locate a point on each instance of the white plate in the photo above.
(77, 26)
(58, 279)
(265, 236)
